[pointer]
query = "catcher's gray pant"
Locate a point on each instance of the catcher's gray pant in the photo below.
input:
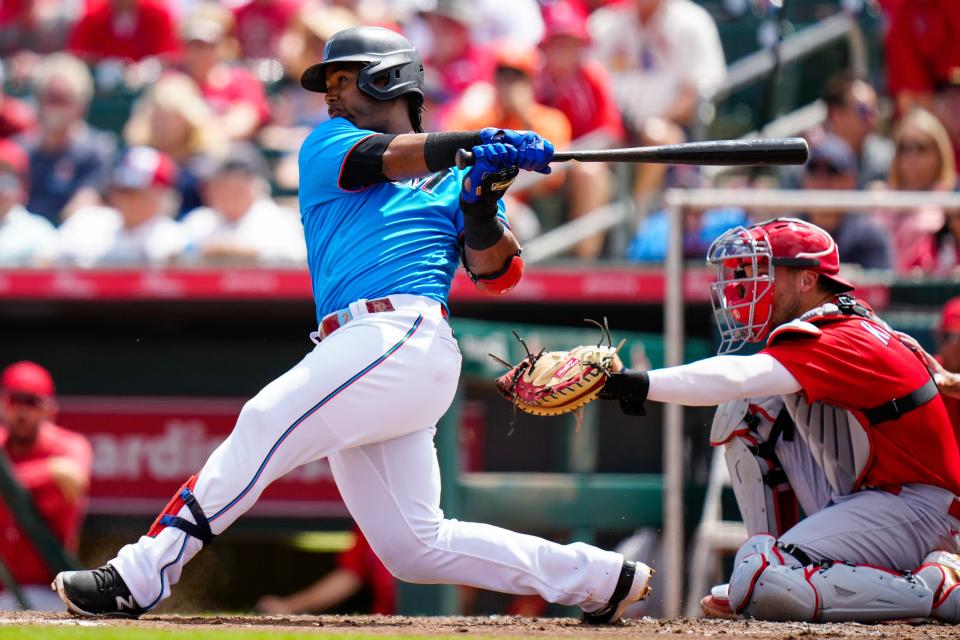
(844, 561)
(367, 398)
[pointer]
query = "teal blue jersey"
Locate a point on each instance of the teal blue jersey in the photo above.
(388, 238)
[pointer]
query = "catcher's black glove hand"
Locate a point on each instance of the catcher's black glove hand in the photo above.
(630, 388)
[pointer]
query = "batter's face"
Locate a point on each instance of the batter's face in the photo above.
(345, 100)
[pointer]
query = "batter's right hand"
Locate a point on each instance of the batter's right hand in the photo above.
(535, 152)
(493, 171)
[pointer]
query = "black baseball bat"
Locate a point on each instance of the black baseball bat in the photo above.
(772, 151)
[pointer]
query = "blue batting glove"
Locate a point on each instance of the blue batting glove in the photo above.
(536, 152)
(494, 168)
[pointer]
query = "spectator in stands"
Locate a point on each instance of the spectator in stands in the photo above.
(579, 86)
(174, 118)
(832, 165)
(236, 95)
(455, 60)
(700, 227)
(923, 161)
(53, 465)
(510, 103)
(25, 238)
(948, 354)
(508, 21)
(239, 222)
(136, 228)
(296, 112)
(259, 25)
(921, 49)
(358, 569)
(664, 55)
(852, 116)
(69, 160)
(16, 116)
(946, 106)
(125, 30)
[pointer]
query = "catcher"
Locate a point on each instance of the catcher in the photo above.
(838, 416)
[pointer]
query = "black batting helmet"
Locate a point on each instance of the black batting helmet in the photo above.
(385, 53)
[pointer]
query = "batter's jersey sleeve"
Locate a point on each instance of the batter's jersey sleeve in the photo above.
(321, 160)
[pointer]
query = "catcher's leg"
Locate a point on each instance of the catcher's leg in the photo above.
(333, 399)
(393, 491)
(850, 561)
(770, 583)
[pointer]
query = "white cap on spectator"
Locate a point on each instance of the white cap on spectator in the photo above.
(144, 167)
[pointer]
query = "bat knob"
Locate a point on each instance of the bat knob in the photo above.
(464, 158)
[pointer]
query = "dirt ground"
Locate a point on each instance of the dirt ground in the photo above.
(505, 626)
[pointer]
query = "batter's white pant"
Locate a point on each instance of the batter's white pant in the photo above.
(368, 398)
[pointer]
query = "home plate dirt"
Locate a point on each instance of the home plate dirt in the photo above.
(504, 626)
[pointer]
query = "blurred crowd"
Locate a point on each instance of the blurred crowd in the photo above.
(203, 169)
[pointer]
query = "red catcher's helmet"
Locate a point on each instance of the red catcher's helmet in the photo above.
(742, 296)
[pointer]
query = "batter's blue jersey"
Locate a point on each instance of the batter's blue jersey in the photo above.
(389, 238)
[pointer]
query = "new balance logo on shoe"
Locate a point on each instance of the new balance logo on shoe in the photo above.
(128, 603)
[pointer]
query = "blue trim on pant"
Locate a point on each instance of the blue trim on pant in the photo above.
(276, 445)
(313, 410)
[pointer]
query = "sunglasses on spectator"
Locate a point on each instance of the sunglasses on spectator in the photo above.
(24, 399)
(823, 168)
(57, 98)
(864, 111)
(948, 336)
(913, 146)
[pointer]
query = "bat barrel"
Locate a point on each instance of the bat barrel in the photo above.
(718, 152)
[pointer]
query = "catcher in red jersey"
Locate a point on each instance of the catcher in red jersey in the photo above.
(837, 416)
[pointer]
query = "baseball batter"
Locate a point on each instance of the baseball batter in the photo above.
(837, 416)
(387, 219)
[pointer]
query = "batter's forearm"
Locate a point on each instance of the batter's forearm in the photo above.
(488, 261)
(415, 155)
(721, 379)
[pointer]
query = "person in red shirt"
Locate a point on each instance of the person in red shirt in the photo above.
(124, 29)
(16, 116)
(455, 60)
(921, 49)
(837, 415)
(948, 357)
(53, 464)
(236, 95)
(259, 25)
(357, 568)
(579, 86)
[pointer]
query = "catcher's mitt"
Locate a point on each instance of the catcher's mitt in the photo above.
(557, 382)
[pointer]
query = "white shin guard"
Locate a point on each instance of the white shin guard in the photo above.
(769, 584)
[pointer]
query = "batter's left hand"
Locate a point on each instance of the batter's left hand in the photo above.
(534, 153)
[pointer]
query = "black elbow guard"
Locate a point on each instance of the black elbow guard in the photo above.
(363, 165)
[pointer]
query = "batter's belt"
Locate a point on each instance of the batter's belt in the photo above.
(336, 319)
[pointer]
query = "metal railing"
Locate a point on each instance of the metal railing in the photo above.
(765, 200)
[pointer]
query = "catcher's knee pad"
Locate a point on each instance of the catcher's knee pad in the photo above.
(767, 502)
(168, 517)
(770, 584)
(940, 573)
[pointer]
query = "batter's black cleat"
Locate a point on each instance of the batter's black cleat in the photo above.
(96, 593)
(633, 586)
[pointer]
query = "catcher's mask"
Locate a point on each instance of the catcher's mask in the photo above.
(742, 295)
